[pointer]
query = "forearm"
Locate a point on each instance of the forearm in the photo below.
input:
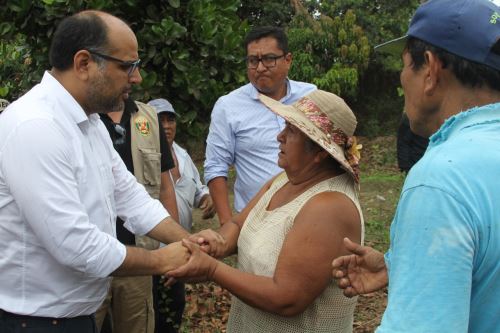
(138, 261)
(230, 231)
(167, 195)
(220, 197)
(168, 231)
(260, 292)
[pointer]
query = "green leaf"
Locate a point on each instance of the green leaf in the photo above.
(5, 28)
(4, 91)
(174, 3)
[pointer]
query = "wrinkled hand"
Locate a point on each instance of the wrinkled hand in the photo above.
(200, 267)
(172, 256)
(207, 207)
(362, 272)
(210, 242)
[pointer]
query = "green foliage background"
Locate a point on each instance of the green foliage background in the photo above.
(192, 50)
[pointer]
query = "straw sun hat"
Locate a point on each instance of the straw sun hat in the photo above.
(327, 120)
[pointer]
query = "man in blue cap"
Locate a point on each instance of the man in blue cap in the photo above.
(443, 265)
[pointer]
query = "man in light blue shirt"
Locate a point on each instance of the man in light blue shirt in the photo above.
(243, 131)
(443, 266)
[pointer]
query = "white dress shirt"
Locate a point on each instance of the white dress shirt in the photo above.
(188, 189)
(61, 187)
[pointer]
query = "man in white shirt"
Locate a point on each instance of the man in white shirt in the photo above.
(62, 185)
(190, 193)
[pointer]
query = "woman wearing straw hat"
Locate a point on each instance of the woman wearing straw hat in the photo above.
(291, 230)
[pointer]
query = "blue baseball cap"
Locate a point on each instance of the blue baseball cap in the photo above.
(467, 28)
(162, 105)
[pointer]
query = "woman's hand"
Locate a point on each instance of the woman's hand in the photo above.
(200, 266)
(210, 242)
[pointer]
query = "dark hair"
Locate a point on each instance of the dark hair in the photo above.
(469, 73)
(310, 146)
(268, 31)
(82, 31)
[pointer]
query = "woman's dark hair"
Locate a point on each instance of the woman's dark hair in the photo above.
(83, 31)
(268, 31)
(311, 146)
(469, 73)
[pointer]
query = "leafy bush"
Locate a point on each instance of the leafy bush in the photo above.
(329, 52)
(191, 50)
(16, 68)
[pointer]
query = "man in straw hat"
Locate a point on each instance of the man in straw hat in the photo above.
(443, 266)
(288, 234)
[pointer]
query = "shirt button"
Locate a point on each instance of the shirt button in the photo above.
(54, 322)
(23, 325)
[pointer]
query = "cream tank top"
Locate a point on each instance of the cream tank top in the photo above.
(259, 246)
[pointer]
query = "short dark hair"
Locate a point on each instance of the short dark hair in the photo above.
(277, 33)
(469, 73)
(310, 146)
(82, 31)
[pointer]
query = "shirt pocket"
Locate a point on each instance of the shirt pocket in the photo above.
(151, 166)
(108, 179)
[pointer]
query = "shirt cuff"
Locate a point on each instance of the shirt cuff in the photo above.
(108, 260)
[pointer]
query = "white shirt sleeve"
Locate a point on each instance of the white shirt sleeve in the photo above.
(37, 161)
(133, 203)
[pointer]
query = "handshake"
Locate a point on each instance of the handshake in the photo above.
(194, 258)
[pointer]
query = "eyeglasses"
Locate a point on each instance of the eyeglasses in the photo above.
(129, 66)
(120, 135)
(268, 61)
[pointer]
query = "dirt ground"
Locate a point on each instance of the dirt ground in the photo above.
(208, 304)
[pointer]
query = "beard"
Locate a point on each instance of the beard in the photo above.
(98, 98)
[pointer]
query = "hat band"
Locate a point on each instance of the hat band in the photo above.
(333, 133)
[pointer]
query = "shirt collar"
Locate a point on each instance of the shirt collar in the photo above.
(254, 93)
(474, 116)
(71, 107)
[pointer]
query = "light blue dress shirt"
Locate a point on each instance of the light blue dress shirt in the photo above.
(444, 261)
(243, 133)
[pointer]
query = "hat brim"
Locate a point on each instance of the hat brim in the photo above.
(165, 111)
(306, 126)
(394, 47)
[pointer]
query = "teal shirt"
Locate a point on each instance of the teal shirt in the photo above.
(444, 260)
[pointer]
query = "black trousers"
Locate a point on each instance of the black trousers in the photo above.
(169, 322)
(12, 323)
